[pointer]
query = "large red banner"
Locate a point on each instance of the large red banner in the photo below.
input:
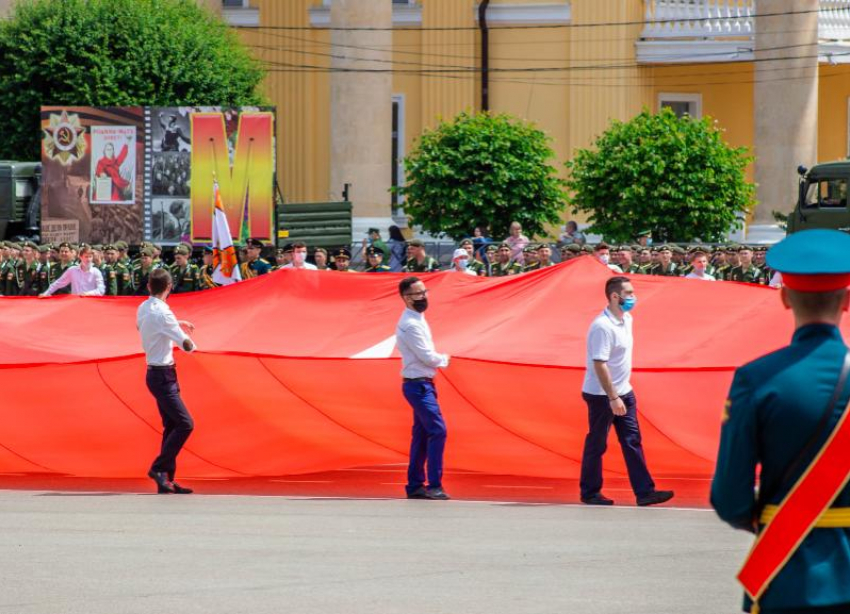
(295, 373)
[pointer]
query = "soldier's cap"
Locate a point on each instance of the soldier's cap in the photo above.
(121, 245)
(287, 248)
(731, 248)
(665, 248)
(145, 244)
(491, 247)
(13, 245)
(342, 252)
(460, 253)
(587, 248)
(31, 245)
(156, 246)
(644, 233)
(504, 246)
(808, 263)
(146, 251)
(416, 243)
(542, 245)
(3, 244)
(678, 249)
(181, 250)
(254, 243)
(573, 247)
(65, 244)
(372, 231)
(325, 252)
(43, 249)
(108, 247)
(208, 249)
(374, 251)
(531, 247)
(466, 242)
(636, 248)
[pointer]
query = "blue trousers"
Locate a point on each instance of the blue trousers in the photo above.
(600, 418)
(177, 423)
(429, 435)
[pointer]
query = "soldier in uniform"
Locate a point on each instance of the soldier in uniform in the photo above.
(320, 258)
(782, 413)
(665, 267)
(43, 268)
(207, 270)
(473, 264)
(186, 277)
(375, 261)
(529, 258)
(375, 240)
(254, 265)
(490, 258)
(746, 271)
(279, 260)
(504, 266)
(342, 260)
(123, 258)
(142, 271)
(65, 262)
(107, 269)
(417, 260)
(627, 260)
(27, 271)
(570, 252)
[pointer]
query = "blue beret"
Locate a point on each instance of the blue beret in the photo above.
(812, 252)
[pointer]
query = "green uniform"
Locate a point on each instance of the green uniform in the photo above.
(27, 278)
(750, 275)
(774, 407)
(381, 268)
(503, 270)
(140, 279)
(187, 279)
(478, 268)
(671, 270)
(429, 265)
(56, 272)
(43, 276)
(379, 244)
(8, 278)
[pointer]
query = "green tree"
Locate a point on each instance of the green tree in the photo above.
(482, 169)
(674, 176)
(115, 53)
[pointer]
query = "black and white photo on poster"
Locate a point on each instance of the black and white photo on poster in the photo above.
(170, 220)
(170, 174)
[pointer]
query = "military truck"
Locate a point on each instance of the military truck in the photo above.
(20, 199)
(822, 198)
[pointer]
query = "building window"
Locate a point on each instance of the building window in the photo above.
(398, 149)
(682, 104)
(238, 4)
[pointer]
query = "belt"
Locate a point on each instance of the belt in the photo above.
(833, 518)
(160, 367)
(430, 380)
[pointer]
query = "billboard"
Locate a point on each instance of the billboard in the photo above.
(147, 173)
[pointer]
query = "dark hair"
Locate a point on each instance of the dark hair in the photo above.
(299, 244)
(395, 233)
(158, 281)
(572, 224)
(615, 285)
(600, 247)
(405, 284)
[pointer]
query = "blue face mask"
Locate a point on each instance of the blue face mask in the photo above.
(627, 304)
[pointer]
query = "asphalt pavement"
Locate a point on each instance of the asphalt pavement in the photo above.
(73, 552)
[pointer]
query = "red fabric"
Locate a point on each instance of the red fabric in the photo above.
(274, 389)
(112, 168)
(816, 283)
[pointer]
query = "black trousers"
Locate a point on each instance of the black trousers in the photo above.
(177, 423)
(600, 418)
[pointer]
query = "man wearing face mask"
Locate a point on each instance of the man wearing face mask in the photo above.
(611, 400)
(603, 255)
(420, 362)
(460, 262)
(299, 258)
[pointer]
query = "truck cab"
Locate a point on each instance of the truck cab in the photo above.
(20, 198)
(822, 198)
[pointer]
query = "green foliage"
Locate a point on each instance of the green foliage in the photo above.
(674, 176)
(486, 170)
(115, 53)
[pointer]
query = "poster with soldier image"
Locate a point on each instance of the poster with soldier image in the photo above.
(113, 165)
(170, 174)
(170, 129)
(170, 220)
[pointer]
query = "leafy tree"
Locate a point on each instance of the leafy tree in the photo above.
(115, 53)
(482, 170)
(674, 176)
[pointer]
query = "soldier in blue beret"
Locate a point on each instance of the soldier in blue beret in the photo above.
(780, 413)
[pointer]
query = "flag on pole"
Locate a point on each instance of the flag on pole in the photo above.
(225, 263)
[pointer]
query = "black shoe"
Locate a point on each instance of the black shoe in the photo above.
(597, 499)
(181, 490)
(655, 497)
(419, 493)
(437, 494)
(163, 484)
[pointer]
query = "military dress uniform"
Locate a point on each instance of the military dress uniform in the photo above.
(257, 267)
(750, 275)
(9, 278)
(775, 406)
(671, 270)
(500, 270)
(28, 278)
(429, 265)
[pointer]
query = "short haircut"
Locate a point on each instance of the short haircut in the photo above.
(85, 249)
(600, 247)
(405, 284)
(815, 304)
(699, 254)
(298, 245)
(321, 250)
(158, 281)
(615, 285)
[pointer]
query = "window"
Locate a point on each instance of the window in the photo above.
(234, 4)
(682, 104)
(397, 148)
(826, 194)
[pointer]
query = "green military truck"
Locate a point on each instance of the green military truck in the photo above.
(20, 198)
(822, 198)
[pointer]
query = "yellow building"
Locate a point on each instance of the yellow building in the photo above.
(356, 81)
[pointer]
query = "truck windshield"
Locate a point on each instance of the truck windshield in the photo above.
(827, 193)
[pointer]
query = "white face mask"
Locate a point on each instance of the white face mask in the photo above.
(604, 258)
(461, 263)
(298, 257)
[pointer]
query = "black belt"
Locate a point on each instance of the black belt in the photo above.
(419, 379)
(160, 367)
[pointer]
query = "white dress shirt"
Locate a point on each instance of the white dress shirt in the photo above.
(160, 331)
(609, 340)
(306, 266)
(704, 276)
(418, 356)
(83, 283)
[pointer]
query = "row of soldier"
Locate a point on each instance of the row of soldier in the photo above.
(27, 269)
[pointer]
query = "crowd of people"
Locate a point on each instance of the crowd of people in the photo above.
(28, 269)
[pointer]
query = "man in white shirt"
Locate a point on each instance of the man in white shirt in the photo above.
(420, 362)
(299, 258)
(160, 330)
(603, 255)
(611, 400)
(85, 279)
(699, 264)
